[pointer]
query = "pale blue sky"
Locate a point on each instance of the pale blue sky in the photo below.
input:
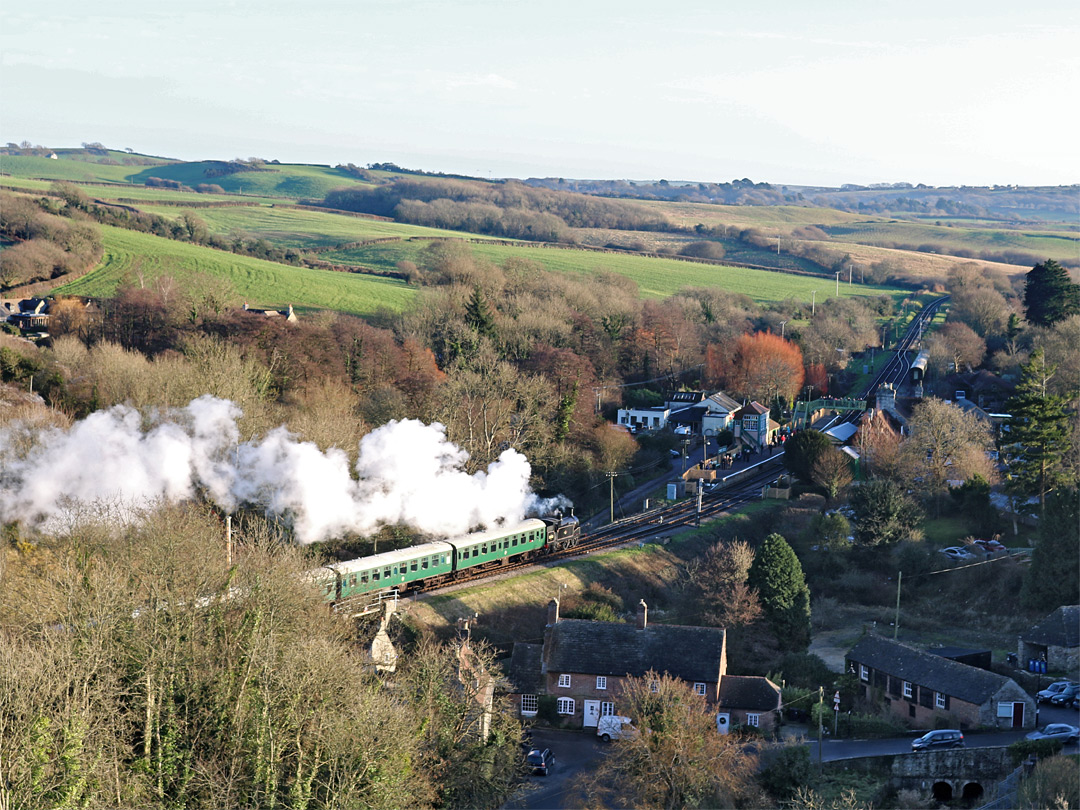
(788, 92)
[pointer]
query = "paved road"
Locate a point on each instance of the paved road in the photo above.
(575, 752)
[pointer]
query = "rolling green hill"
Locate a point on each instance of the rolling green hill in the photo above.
(655, 277)
(130, 255)
(290, 181)
(289, 226)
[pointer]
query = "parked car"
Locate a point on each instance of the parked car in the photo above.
(957, 553)
(942, 738)
(1051, 690)
(1066, 696)
(540, 761)
(614, 727)
(1056, 731)
(675, 453)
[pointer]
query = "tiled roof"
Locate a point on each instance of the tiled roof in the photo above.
(749, 692)
(724, 401)
(609, 648)
(958, 680)
(754, 408)
(1060, 629)
(523, 671)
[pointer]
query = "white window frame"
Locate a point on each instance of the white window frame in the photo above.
(939, 700)
(864, 673)
(908, 691)
(607, 708)
(531, 700)
(601, 682)
(564, 680)
(654, 686)
(753, 720)
(699, 688)
(566, 705)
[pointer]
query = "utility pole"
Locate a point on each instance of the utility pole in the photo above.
(782, 325)
(838, 272)
(700, 492)
(813, 303)
(611, 477)
(896, 621)
(228, 540)
(821, 711)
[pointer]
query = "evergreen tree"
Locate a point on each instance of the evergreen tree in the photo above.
(802, 450)
(1050, 295)
(785, 598)
(1053, 578)
(1039, 433)
(478, 314)
(883, 513)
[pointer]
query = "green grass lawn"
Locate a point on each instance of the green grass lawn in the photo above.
(655, 277)
(290, 226)
(945, 531)
(129, 255)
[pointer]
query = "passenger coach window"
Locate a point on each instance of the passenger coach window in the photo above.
(423, 563)
(386, 573)
(363, 577)
(414, 565)
(374, 576)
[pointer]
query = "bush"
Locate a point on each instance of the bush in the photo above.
(547, 709)
(1022, 749)
(867, 726)
(805, 670)
(703, 250)
(789, 770)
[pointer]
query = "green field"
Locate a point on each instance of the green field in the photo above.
(956, 240)
(302, 228)
(291, 181)
(130, 255)
(655, 277)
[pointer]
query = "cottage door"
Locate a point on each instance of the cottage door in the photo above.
(723, 722)
(1018, 715)
(592, 713)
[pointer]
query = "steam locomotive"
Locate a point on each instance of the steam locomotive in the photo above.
(441, 561)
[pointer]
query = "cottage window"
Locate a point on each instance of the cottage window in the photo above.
(564, 680)
(753, 720)
(699, 689)
(654, 686)
(940, 700)
(529, 704)
(566, 705)
(607, 708)
(864, 673)
(907, 689)
(601, 682)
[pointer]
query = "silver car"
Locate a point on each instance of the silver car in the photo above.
(1056, 731)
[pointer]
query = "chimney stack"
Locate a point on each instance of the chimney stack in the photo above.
(642, 615)
(553, 613)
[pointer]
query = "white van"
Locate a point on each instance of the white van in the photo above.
(614, 727)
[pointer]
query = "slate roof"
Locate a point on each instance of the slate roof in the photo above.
(1060, 629)
(749, 692)
(686, 416)
(754, 407)
(608, 648)
(725, 402)
(523, 671)
(952, 678)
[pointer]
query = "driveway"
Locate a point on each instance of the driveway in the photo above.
(575, 752)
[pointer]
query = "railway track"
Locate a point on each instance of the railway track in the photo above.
(652, 525)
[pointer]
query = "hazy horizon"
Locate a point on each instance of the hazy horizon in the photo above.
(943, 94)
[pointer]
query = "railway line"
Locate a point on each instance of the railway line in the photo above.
(737, 489)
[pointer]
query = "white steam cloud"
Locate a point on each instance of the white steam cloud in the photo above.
(407, 472)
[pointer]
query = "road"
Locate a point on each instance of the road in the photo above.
(575, 752)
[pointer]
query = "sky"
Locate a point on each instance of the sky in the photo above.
(799, 93)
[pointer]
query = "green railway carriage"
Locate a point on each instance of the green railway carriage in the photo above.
(391, 569)
(495, 547)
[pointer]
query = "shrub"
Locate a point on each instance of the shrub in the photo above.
(789, 770)
(1022, 749)
(547, 709)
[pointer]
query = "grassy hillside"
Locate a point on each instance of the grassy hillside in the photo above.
(299, 227)
(655, 277)
(291, 181)
(130, 255)
(783, 217)
(957, 240)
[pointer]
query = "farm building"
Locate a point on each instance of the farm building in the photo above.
(928, 690)
(585, 665)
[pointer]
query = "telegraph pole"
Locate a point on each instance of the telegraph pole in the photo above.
(896, 621)
(821, 712)
(611, 477)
